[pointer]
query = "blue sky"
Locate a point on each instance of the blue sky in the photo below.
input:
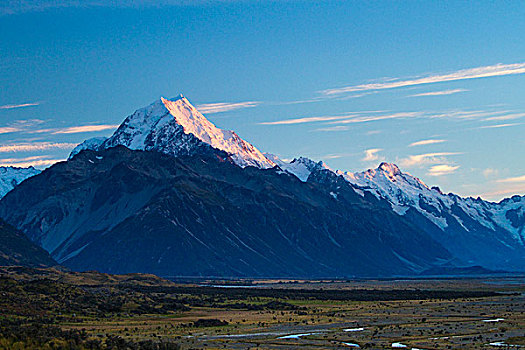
(435, 87)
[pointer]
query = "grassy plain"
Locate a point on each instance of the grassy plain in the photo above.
(56, 309)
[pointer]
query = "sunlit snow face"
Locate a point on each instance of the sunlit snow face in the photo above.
(168, 126)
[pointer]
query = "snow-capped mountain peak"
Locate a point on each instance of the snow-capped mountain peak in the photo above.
(92, 143)
(12, 176)
(300, 167)
(385, 175)
(401, 189)
(405, 191)
(389, 168)
(176, 127)
(193, 122)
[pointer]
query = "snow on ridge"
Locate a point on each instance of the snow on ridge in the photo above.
(175, 127)
(92, 144)
(389, 182)
(165, 125)
(195, 123)
(13, 176)
(301, 167)
(405, 191)
(402, 190)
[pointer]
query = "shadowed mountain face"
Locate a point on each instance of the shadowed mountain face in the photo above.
(118, 210)
(477, 232)
(170, 193)
(17, 250)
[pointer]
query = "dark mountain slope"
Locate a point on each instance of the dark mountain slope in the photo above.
(477, 232)
(17, 250)
(119, 210)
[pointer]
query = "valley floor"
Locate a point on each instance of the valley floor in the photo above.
(61, 310)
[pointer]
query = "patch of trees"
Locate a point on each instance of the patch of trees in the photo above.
(271, 305)
(44, 296)
(213, 293)
(17, 334)
(209, 322)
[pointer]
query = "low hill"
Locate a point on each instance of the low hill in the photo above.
(17, 249)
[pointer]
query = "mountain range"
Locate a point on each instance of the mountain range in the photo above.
(171, 194)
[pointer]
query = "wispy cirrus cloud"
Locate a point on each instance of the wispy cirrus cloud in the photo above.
(490, 172)
(442, 169)
(506, 117)
(439, 93)
(84, 128)
(20, 125)
(22, 105)
(322, 99)
(73, 129)
(426, 142)
(35, 146)
(8, 129)
(508, 190)
(333, 128)
(504, 187)
(26, 123)
(36, 161)
(371, 155)
(465, 114)
(28, 126)
(371, 118)
(426, 159)
(210, 108)
(497, 126)
(333, 156)
(307, 120)
(512, 179)
(471, 73)
(349, 97)
(295, 102)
